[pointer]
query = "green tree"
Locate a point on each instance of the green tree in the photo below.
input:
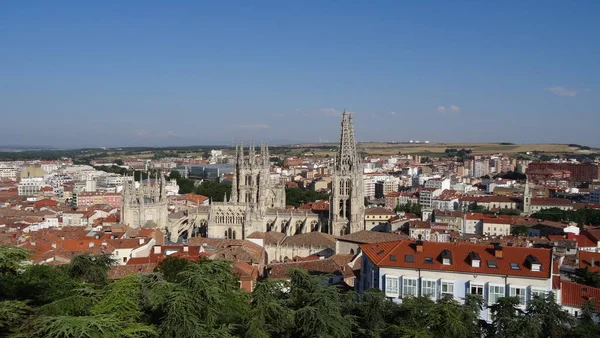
(546, 318)
(171, 266)
(269, 316)
(508, 319)
(317, 310)
(90, 269)
(12, 313)
(12, 259)
(43, 284)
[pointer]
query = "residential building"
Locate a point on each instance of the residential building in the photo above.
(86, 199)
(438, 183)
(538, 204)
(377, 218)
(435, 270)
(580, 172)
(594, 197)
(497, 226)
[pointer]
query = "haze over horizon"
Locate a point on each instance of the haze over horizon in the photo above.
(77, 74)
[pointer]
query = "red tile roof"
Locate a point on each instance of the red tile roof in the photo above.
(575, 295)
(550, 201)
(586, 258)
(380, 254)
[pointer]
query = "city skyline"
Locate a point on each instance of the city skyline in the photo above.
(150, 74)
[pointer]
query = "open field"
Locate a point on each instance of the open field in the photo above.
(437, 149)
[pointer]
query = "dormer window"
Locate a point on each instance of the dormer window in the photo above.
(446, 257)
(475, 259)
(534, 263)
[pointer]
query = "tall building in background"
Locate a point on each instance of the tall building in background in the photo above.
(346, 207)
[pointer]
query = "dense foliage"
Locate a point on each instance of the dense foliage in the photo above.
(580, 216)
(183, 299)
(213, 190)
(297, 196)
(461, 154)
(413, 208)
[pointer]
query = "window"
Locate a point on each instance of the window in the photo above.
(409, 286)
(391, 286)
(428, 260)
(496, 291)
(477, 290)
(409, 258)
(393, 258)
(492, 264)
(515, 266)
(428, 288)
(538, 292)
(447, 289)
(518, 292)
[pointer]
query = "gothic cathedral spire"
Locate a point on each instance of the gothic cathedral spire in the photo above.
(347, 209)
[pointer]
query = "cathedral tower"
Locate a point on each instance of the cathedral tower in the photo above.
(527, 197)
(346, 205)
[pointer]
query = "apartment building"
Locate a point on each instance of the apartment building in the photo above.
(436, 270)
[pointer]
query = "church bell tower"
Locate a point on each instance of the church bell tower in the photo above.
(346, 205)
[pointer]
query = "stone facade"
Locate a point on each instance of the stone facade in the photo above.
(347, 208)
(145, 205)
(256, 205)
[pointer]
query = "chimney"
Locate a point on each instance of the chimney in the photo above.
(593, 262)
(157, 249)
(498, 250)
(141, 241)
(54, 245)
(186, 248)
(419, 244)
(91, 245)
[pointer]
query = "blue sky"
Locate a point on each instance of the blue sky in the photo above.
(123, 73)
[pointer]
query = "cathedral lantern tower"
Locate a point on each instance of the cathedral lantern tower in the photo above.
(346, 205)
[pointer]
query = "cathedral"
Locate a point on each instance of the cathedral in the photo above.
(257, 204)
(145, 205)
(346, 204)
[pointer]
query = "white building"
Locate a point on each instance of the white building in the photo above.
(438, 183)
(8, 172)
(436, 270)
(369, 184)
(29, 186)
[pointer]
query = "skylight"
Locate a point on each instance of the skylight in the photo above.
(515, 266)
(428, 260)
(492, 264)
(409, 258)
(393, 258)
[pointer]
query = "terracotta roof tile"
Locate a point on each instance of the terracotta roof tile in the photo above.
(576, 295)
(381, 253)
(366, 236)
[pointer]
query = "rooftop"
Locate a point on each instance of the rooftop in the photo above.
(394, 254)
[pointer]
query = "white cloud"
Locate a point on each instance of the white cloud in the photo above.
(392, 113)
(253, 126)
(441, 109)
(330, 111)
(141, 133)
(298, 110)
(562, 91)
(455, 109)
(278, 115)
